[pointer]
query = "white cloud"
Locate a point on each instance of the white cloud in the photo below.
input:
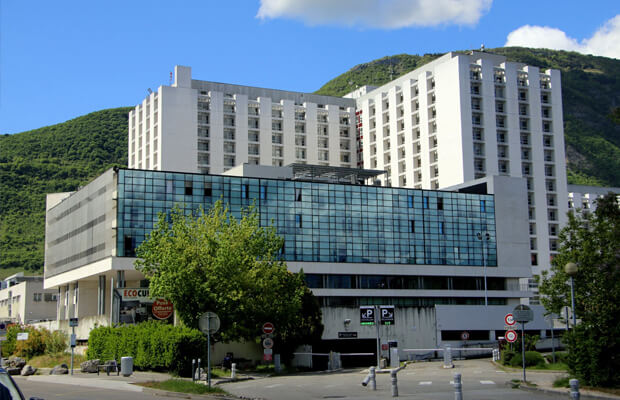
(385, 14)
(604, 42)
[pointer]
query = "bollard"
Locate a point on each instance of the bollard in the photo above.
(458, 387)
(373, 378)
(233, 371)
(198, 369)
(277, 367)
(193, 369)
(447, 357)
(574, 389)
(394, 379)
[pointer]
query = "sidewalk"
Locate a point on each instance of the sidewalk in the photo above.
(102, 381)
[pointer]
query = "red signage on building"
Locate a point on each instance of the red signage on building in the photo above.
(162, 309)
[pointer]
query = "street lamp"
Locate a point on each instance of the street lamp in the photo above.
(571, 270)
(484, 238)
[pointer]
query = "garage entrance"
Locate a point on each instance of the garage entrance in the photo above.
(346, 346)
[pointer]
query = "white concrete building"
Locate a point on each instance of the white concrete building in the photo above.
(24, 300)
(583, 198)
(200, 126)
(466, 116)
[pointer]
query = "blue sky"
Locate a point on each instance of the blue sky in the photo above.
(60, 60)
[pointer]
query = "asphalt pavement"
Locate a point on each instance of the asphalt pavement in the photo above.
(481, 380)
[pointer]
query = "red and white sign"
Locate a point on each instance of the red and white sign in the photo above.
(509, 319)
(162, 308)
(268, 343)
(511, 336)
(268, 327)
(267, 357)
(465, 335)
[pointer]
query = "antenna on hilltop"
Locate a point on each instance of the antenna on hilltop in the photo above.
(482, 47)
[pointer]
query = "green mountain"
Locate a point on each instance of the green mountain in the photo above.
(57, 158)
(590, 94)
(62, 157)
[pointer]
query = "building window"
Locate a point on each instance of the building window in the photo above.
(534, 259)
(245, 191)
(483, 206)
(208, 191)
(298, 220)
(412, 226)
(263, 192)
(440, 203)
(37, 296)
(425, 202)
(410, 201)
(441, 228)
(188, 188)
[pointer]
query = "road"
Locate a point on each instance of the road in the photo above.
(88, 390)
(481, 381)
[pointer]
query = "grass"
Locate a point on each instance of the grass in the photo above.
(51, 360)
(182, 386)
(561, 382)
(559, 366)
(6, 272)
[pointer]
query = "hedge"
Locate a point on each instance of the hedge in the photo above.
(153, 346)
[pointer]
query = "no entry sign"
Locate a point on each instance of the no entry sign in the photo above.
(268, 327)
(511, 336)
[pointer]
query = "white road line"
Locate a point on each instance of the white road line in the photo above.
(452, 382)
(487, 383)
(274, 386)
(426, 383)
(331, 386)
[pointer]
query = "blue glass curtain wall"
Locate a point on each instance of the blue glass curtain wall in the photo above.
(323, 222)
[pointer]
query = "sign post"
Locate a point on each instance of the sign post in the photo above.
(2, 338)
(523, 314)
(268, 343)
(73, 322)
(368, 316)
(209, 323)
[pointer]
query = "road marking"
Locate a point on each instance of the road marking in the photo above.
(274, 386)
(452, 382)
(426, 383)
(487, 383)
(331, 386)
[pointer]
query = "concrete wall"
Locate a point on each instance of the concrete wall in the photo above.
(80, 229)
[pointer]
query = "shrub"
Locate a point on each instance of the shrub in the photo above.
(532, 358)
(40, 341)
(56, 342)
(507, 356)
(153, 345)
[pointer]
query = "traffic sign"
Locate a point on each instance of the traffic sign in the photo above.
(22, 336)
(523, 313)
(509, 319)
(73, 322)
(465, 335)
(268, 327)
(367, 315)
(209, 322)
(387, 315)
(511, 336)
(268, 343)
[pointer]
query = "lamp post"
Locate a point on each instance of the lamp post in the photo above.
(484, 238)
(571, 270)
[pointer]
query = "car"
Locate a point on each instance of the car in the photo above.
(9, 389)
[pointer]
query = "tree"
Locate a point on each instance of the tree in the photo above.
(231, 266)
(592, 241)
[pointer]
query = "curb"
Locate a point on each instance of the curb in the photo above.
(179, 395)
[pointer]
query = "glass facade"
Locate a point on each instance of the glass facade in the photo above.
(322, 222)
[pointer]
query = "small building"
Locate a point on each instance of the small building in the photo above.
(24, 300)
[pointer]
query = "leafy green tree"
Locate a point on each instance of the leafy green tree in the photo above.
(592, 241)
(231, 266)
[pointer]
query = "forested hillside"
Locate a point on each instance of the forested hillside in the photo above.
(590, 93)
(55, 158)
(64, 156)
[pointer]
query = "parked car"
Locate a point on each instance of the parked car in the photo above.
(9, 389)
